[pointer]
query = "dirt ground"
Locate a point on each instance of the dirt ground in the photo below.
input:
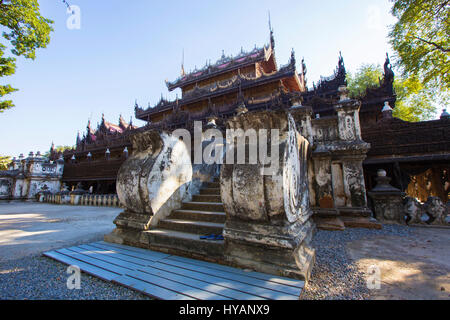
(410, 268)
(29, 228)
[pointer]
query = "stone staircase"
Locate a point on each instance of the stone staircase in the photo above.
(180, 232)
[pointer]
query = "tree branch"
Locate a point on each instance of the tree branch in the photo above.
(437, 46)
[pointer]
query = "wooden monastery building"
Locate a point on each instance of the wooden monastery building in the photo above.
(415, 155)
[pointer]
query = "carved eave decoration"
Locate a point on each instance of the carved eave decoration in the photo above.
(223, 87)
(223, 65)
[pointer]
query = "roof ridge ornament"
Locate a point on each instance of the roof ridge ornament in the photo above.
(445, 114)
(388, 73)
(293, 61)
(387, 110)
(182, 65)
(272, 38)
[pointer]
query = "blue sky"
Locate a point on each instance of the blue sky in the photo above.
(125, 50)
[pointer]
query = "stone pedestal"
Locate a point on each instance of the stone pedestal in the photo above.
(268, 219)
(387, 200)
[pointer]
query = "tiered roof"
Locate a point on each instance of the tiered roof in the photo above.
(105, 129)
(225, 64)
(266, 71)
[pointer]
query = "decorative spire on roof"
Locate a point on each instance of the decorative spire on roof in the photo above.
(130, 126)
(341, 66)
(388, 73)
(272, 39)
(445, 114)
(89, 128)
(122, 123)
(293, 61)
(304, 71)
(182, 65)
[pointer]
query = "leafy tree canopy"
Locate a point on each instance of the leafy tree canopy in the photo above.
(414, 101)
(421, 39)
(25, 31)
(4, 161)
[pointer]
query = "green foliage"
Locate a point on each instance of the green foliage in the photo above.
(367, 76)
(25, 31)
(4, 162)
(415, 102)
(59, 149)
(421, 40)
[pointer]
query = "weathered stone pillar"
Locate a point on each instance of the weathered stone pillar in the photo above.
(268, 226)
(387, 201)
(150, 184)
(350, 151)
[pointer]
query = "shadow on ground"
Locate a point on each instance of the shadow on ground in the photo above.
(411, 268)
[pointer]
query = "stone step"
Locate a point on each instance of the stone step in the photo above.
(215, 191)
(203, 206)
(194, 215)
(206, 198)
(196, 227)
(183, 243)
(215, 184)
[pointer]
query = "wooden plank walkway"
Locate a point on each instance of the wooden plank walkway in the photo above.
(168, 277)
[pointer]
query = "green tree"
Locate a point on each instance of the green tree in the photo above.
(25, 30)
(414, 101)
(4, 162)
(421, 39)
(59, 149)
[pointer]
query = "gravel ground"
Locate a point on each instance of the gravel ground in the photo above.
(41, 278)
(335, 276)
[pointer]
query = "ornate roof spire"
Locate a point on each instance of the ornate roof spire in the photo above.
(272, 39)
(304, 71)
(341, 72)
(52, 148)
(88, 128)
(183, 73)
(130, 126)
(122, 123)
(293, 61)
(388, 73)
